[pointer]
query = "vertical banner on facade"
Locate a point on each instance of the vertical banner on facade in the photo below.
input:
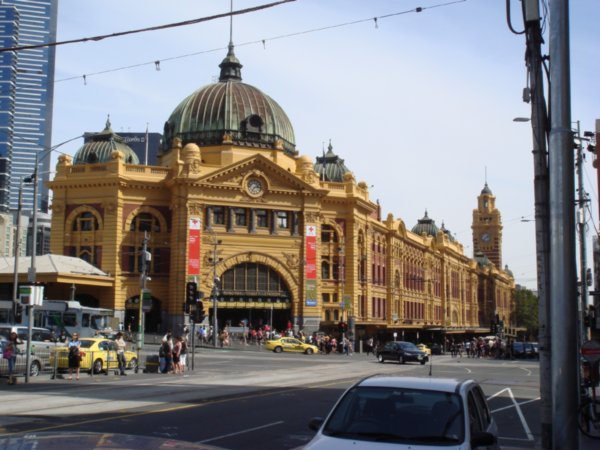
(194, 246)
(310, 280)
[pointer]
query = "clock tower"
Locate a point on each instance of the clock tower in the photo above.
(487, 228)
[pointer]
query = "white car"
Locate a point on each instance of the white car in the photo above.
(401, 413)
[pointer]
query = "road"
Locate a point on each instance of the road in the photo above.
(251, 399)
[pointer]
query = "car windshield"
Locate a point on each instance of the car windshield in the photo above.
(387, 414)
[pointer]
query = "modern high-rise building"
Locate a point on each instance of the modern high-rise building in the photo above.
(26, 96)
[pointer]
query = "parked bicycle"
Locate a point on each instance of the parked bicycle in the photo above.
(588, 414)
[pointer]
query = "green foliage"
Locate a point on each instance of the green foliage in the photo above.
(526, 311)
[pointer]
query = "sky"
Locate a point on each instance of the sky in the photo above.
(419, 105)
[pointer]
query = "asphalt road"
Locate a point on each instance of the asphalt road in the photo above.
(250, 399)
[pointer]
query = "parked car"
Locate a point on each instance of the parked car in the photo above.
(385, 412)
(525, 349)
(402, 352)
(42, 340)
(436, 349)
(287, 344)
(97, 354)
(36, 364)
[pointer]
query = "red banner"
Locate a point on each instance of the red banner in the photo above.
(194, 246)
(311, 252)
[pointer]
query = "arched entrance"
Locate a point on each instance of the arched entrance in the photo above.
(151, 319)
(254, 293)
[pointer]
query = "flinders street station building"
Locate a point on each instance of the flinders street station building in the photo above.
(269, 236)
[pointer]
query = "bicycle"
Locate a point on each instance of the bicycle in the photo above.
(588, 413)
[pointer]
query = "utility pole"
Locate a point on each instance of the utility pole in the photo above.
(581, 221)
(539, 124)
(565, 359)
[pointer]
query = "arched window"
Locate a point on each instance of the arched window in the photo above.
(325, 270)
(85, 221)
(145, 222)
(327, 316)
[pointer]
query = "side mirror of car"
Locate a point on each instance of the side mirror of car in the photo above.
(482, 439)
(315, 423)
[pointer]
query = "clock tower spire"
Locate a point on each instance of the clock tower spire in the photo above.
(487, 228)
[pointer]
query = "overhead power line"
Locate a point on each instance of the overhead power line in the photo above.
(157, 62)
(143, 30)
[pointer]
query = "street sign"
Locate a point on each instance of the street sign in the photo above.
(590, 351)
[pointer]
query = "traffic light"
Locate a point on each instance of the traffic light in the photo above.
(191, 291)
(493, 328)
(342, 327)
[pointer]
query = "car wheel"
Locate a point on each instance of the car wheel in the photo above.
(400, 359)
(133, 365)
(380, 358)
(278, 349)
(423, 362)
(34, 369)
(309, 351)
(97, 366)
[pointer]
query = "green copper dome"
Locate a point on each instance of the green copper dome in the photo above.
(243, 113)
(330, 166)
(98, 148)
(426, 226)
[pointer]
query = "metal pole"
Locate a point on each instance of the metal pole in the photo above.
(539, 125)
(214, 293)
(581, 220)
(563, 278)
(17, 244)
(140, 336)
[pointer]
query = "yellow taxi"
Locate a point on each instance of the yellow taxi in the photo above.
(288, 344)
(424, 349)
(97, 354)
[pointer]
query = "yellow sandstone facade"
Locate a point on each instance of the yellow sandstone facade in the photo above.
(255, 198)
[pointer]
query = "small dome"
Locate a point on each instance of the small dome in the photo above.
(508, 271)
(232, 109)
(486, 190)
(447, 232)
(426, 226)
(330, 166)
(99, 147)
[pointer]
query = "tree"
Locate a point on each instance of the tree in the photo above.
(526, 311)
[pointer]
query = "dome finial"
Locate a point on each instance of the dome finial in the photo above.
(230, 66)
(107, 126)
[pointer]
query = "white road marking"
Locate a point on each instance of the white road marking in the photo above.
(517, 409)
(240, 432)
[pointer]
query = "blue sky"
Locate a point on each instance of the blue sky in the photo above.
(419, 105)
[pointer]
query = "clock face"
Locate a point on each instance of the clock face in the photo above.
(485, 237)
(254, 186)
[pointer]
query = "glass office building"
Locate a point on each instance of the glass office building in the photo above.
(26, 96)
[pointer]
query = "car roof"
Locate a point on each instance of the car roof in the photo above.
(429, 384)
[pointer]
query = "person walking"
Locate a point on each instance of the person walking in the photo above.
(369, 346)
(74, 356)
(121, 345)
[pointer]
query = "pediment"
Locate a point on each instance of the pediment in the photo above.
(275, 179)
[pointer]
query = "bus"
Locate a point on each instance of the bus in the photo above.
(63, 315)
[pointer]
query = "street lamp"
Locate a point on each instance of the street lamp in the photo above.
(31, 274)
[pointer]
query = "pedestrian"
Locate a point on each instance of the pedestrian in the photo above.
(11, 348)
(176, 354)
(369, 346)
(74, 356)
(121, 344)
(165, 355)
(183, 354)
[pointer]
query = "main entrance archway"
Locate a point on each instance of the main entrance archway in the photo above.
(254, 293)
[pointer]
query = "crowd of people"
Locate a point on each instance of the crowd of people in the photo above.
(480, 347)
(172, 353)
